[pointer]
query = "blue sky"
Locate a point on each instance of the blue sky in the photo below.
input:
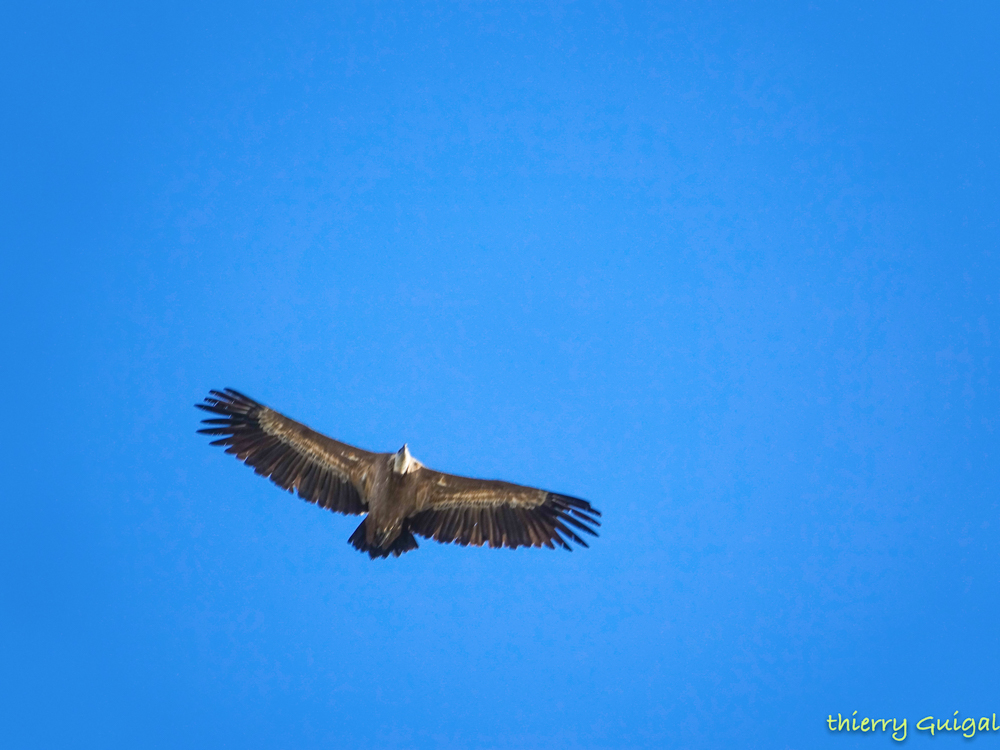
(728, 271)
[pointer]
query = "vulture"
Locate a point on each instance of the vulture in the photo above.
(399, 496)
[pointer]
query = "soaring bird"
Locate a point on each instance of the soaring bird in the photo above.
(400, 495)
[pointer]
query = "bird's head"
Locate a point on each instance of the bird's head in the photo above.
(403, 462)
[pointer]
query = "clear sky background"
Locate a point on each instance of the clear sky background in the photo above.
(731, 272)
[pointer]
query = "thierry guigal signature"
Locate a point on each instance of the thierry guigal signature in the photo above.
(967, 727)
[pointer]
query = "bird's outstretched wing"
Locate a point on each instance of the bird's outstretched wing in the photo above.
(324, 471)
(500, 514)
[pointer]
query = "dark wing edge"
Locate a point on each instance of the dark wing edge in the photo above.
(294, 458)
(510, 523)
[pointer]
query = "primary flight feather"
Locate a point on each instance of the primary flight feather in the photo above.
(400, 495)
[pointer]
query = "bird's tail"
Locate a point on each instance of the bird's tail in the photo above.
(402, 543)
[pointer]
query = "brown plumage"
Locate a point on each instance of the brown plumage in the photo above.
(401, 496)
